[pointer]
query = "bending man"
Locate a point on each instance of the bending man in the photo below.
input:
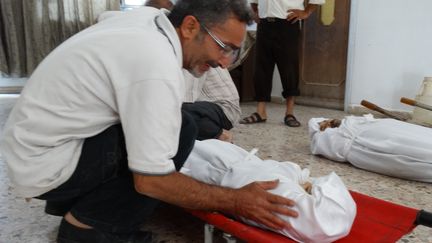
(98, 131)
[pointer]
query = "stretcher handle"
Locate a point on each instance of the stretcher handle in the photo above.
(415, 103)
(424, 218)
(374, 107)
(407, 101)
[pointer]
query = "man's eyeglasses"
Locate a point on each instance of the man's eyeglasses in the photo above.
(227, 50)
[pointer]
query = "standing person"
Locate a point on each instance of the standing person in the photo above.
(277, 42)
(214, 103)
(98, 130)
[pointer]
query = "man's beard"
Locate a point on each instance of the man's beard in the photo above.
(197, 73)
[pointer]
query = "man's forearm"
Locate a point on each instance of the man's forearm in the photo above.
(251, 201)
(186, 192)
(254, 7)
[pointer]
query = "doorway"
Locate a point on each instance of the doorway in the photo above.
(324, 49)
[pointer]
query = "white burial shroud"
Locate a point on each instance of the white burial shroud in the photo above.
(325, 215)
(385, 146)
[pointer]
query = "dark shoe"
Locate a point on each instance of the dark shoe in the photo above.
(254, 118)
(291, 121)
(69, 233)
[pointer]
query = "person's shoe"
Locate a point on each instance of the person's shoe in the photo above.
(291, 121)
(254, 118)
(69, 233)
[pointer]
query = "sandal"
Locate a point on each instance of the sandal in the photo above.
(291, 121)
(254, 118)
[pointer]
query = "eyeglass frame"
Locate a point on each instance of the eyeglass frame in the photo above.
(227, 50)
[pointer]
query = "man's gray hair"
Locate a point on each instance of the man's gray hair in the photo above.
(211, 12)
(159, 4)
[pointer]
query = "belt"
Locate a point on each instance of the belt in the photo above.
(272, 19)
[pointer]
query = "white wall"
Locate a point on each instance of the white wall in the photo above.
(277, 85)
(390, 51)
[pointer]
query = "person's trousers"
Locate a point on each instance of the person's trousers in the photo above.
(101, 192)
(209, 118)
(277, 42)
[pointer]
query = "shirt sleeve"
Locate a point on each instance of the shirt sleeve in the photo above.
(219, 88)
(151, 119)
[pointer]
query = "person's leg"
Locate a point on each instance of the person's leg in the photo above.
(209, 118)
(289, 105)
(261, 109)
(103, 157)
(100, 195)
(226, 136)
(101, 192)
(287, 60)
(264, 66)
(116, 206)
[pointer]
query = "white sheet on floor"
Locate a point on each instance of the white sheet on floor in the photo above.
(385, 146)
(324, 216)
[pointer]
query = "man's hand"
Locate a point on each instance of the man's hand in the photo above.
(254, 8)
(295, 15)
(226, 136)
(254, 202)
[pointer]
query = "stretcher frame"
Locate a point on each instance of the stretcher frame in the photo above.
(401, 224)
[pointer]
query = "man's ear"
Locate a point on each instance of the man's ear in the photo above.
(189, 27)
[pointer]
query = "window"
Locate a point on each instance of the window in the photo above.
(130, 4)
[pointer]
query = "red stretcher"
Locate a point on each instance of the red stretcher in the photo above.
(376, 221)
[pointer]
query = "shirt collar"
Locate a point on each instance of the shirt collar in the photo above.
(167, 29)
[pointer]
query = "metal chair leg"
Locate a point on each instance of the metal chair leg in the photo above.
(208, 233)
(229, 238)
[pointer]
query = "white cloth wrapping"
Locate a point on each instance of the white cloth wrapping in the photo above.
(385, 146)
(324, 216)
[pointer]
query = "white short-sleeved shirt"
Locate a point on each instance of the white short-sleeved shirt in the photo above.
(126, 69)
(279, 8)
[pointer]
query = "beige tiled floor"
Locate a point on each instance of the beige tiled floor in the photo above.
(26, 222)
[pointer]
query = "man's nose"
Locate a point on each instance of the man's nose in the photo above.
(225, 61)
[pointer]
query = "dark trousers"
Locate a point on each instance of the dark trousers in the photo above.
(209, 118)
(277, 43)
(101, 192)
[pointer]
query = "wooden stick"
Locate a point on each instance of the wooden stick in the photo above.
(374, 107)
(415, 103)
